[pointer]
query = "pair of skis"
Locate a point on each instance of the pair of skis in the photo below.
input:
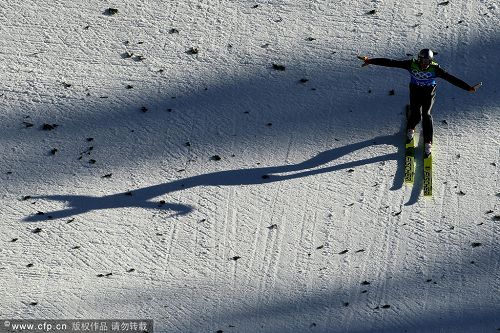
(410, 168)
(410, 165)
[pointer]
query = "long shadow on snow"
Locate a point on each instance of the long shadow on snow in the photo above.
(290, 119)
(141, 198)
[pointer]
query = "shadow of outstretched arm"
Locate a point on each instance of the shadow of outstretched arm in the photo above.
(79, 204)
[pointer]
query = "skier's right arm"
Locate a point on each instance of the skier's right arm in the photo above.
(404, 64)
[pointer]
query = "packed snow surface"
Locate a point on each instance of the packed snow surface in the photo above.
(228, 165)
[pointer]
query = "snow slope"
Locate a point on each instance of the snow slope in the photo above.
(212, 192)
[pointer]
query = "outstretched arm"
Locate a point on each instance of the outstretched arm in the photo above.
(404, 64)
(456, 81)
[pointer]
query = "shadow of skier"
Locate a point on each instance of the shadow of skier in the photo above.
(141, 198)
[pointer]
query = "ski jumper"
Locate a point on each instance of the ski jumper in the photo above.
(422, 90)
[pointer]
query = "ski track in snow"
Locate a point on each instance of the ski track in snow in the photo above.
(303, 223)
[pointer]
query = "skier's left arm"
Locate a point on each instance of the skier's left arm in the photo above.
(456, 81)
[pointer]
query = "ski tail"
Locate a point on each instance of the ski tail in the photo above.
(427, 176)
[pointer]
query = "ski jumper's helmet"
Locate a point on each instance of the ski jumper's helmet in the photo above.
(426, 54)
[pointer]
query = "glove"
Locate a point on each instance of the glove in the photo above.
(475, 87)
(365, 59)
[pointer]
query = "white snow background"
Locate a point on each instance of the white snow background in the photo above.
(213, 191)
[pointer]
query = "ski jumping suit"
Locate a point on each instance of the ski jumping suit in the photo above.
(422, 90)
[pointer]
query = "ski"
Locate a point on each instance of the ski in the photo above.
(409, 154)
(428, 175)
(410, 161)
